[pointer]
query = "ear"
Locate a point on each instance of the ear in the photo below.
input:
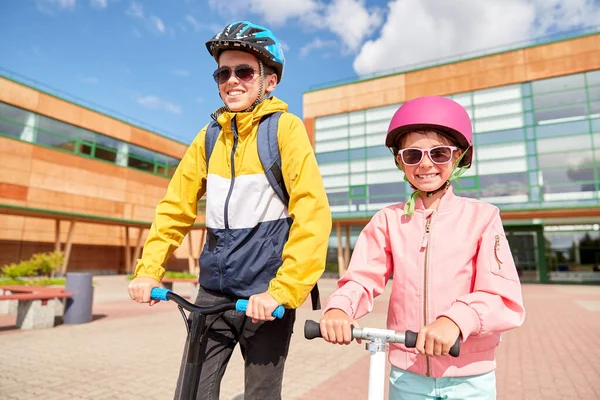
(270, 82)
(399, 162)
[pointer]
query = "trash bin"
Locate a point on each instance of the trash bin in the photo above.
(78, 308)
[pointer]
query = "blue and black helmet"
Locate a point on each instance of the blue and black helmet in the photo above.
(251, 38)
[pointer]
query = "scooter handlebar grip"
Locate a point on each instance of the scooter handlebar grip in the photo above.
(410, 341)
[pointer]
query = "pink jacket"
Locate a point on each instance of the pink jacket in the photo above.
(455, 263)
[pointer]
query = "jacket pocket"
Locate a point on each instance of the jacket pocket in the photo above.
(502, 263)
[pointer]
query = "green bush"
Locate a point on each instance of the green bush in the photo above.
(15, 271)
(40, 264)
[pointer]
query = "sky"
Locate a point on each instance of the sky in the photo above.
(147, 61)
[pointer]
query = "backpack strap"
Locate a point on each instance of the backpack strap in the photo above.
(270, 158)
(212, 133)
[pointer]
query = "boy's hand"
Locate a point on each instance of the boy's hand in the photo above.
(437, 338)
(261, 307)
(140, 288)
(335, 327)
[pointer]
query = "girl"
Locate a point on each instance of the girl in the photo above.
(453, 271)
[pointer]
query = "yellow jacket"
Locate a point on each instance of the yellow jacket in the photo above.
(254, 242)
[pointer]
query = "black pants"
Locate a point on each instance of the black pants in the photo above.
(264, 347)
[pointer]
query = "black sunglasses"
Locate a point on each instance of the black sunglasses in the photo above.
(243, 72)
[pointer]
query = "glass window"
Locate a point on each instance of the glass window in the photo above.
(593, 77)
(140, 158)
(501, 166)
(172, 163)
(557, 84)
(562, 129)
(338, 198)
(380, 151)
(464, 99)
(495, 95)
(331, 145)
(567, 175)
(560, 144)
(594, 93)
(381, 113)
(547, 116)
(333, 156)
(496, 124)
(324, 135)
(334, 168)
(331, 121)
(500, 151)
(13, 120)
(356, 117)
(356, 130)
(511, 135)
(574, 159)
(56, 140)
(106, 148)
(496, 109)
(504, 184)
(378, 127)
(53, 126)
(568, 98)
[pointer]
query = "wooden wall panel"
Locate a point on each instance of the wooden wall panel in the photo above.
(12, 191)
(18, 95)
(539, 62)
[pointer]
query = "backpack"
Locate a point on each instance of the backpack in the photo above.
(268, 153)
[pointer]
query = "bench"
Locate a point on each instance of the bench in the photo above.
(35, 305)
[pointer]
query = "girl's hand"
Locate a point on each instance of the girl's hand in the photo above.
(335, 327)
(437, 338)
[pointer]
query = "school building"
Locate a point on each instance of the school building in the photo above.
(78, 180)
(536, 119)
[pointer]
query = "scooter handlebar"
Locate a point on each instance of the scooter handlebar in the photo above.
(312, 330)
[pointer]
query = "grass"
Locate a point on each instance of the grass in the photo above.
(33, 281)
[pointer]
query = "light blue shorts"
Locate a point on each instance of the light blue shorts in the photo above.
(406, 385)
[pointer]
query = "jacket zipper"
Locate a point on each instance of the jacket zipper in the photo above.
(496, 250)
(226, 210)
(425, 245)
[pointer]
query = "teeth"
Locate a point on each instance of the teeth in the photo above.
(235, 93)
(427, 176)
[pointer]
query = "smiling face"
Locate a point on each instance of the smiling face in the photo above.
(238, 95)
(427, 176)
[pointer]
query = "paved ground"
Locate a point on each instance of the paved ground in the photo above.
(132, 351)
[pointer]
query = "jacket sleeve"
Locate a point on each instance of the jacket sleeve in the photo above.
(369, 270)
(305, 251)
(496, 303)
(176, 212)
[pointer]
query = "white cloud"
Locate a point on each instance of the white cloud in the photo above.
(351, 21)
(316, 44)
(99, 3)
(180, 72)
(152, 22)
(274, 12)
(158, 24)
(156, 103)
(417, 31)
(49, 6)
(193, 22)
(135, 10)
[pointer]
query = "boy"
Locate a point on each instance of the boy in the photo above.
(257, 246)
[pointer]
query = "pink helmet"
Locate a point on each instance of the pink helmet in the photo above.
(433, 113)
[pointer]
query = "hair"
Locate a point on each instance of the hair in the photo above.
(443, 136)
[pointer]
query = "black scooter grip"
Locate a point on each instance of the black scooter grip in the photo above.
(312, 329)
(410, 341)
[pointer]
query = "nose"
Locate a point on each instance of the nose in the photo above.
(426, 160)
